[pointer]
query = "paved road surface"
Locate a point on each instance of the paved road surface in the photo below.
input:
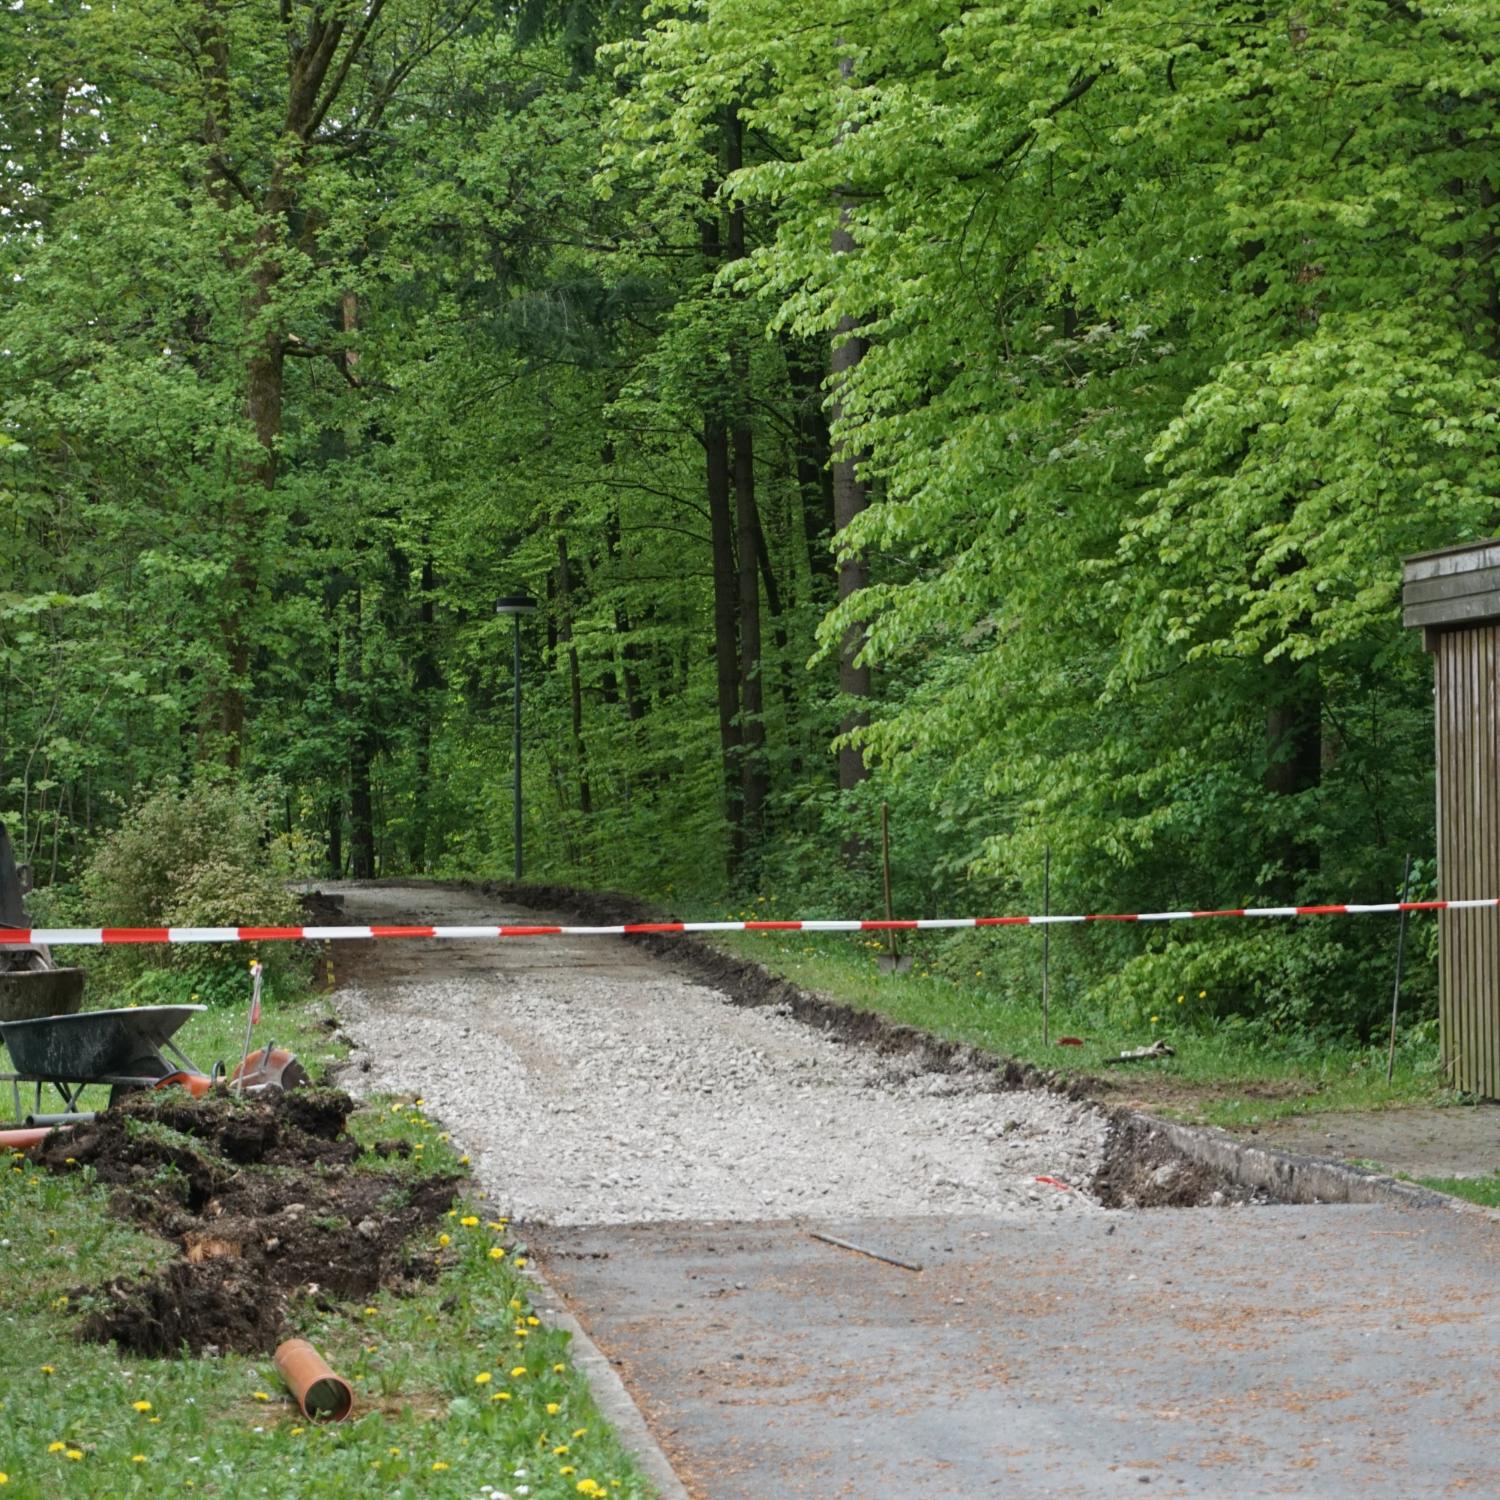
(1233, 1353)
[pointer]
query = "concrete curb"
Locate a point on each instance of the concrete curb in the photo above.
(1289, 1177)
(615, 1403)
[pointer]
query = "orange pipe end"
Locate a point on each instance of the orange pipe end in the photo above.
(322, 1395)
(24, 1140)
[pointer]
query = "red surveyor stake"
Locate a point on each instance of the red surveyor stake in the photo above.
(62, 937)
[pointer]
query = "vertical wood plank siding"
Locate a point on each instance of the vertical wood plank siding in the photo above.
(1467, 663)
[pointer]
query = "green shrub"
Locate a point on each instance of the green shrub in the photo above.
(194, 856)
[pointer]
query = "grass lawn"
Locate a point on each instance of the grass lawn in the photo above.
(1222, 1074)
(1482, 1190)
(457, 1386)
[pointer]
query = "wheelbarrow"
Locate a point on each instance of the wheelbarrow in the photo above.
(120, 1049)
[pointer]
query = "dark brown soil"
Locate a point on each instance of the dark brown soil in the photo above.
(1143, 1169)
(260, 1200)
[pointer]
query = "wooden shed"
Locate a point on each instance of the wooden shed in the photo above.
(1454, 597)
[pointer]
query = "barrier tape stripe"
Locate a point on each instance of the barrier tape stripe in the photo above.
(64, 937)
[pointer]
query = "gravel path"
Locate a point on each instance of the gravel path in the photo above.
(591, 1084)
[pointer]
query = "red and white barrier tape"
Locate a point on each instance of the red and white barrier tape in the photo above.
(62, 937)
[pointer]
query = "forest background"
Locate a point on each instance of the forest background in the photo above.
(1014, 412)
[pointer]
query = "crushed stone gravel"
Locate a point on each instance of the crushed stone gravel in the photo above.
(591, 1084)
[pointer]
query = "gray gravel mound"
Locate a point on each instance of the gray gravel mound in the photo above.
(593, 1085)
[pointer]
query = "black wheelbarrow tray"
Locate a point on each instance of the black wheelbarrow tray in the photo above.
(122, 1049)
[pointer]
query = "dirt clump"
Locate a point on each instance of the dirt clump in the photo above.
(258, 1197)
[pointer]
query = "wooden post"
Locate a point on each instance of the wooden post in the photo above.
(1454, 597)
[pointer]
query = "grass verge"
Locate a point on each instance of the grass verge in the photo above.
(1481, 1190)
(1222, 1073)
(458, 1385)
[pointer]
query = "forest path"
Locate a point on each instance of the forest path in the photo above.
(674, 1151)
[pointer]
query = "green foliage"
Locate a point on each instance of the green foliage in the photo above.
(1179, 331)
(202, 855)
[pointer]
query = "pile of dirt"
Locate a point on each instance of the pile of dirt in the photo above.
(258, 1196)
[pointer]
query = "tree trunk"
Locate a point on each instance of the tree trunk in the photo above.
(726, 600)
(849, 499)
(814, 474)
(575, 686)
(426, 681)
(753, 781)
(1294, 764)
(361, 758)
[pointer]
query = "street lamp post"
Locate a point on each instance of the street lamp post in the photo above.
(516, 605)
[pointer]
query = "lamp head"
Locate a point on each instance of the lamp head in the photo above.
(515, 604)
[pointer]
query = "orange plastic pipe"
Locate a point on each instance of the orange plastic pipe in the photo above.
(322, 1395)
(24, 1140)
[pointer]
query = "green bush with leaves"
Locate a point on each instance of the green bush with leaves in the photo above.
(201, 855)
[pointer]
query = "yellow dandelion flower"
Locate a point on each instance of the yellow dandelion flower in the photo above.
(520, 1263)
(56, 1447)
(518, 1372)
(463, 1161)
(138, 1458)
(140, 1406)
(558, 1369)
(501, 1396)
(534, 1322)
(482, 1378)
(371, 1311)
(259, 1396)
(439, 1466)
(4, 1477)
(394, 1452)
(444, 1240)
(497, 1253)
(74, 1453)
(560, 1449)
(469, 1221)
(578, 1432)
(567, 1469)
(1203, 994)
(49, 1370)
(297, 1431)
(553, 1408)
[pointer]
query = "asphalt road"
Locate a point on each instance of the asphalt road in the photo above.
(1235, 1353)
(1228, 1352)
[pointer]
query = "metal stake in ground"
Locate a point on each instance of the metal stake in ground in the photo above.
(516, 605)
(1390, 1060)
(891, 962)
(257, 978)
(1046, 946)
